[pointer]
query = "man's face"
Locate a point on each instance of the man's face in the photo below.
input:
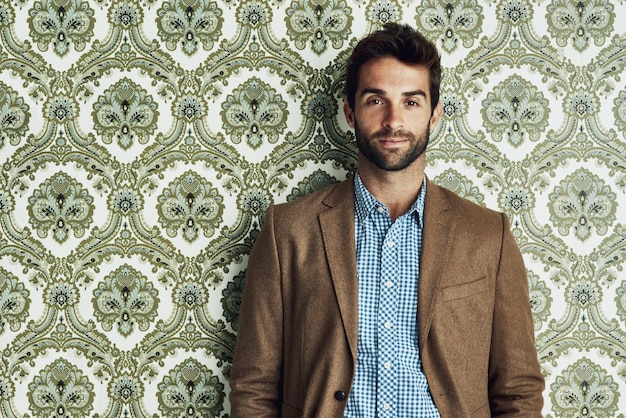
(392, 113)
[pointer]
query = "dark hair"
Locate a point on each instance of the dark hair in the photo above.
(399, 41)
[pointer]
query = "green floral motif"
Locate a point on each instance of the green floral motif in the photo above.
(190, 389)
(61, 390)
(125, 112)
(61, 295)
(315, 181)
(190, 203)
(126, 389)
(125, 298)
(254, 201)
(516, 199)
(584, 294)
(584, 390)
(59, 22)
(14, 115)
(318, 21)
(451, 21)
(6, 202)
(540, 299)
(189, 22)
(581, 104)
(7, 16)
(514, 110)
(126, 201)
(190, 295)
(620, 112)
(582, 201)
(125, 15)
(231, 299)
(460, 185)
(580, 22)
(190, 108)
(382, 11)
(319, 107)
(453, 105)
(254, 111)
(254, 13)
(7, 390)
(14, 301)
(515, 11)
(60, 204)
(61, 108)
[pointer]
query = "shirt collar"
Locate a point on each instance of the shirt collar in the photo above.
(365, 202)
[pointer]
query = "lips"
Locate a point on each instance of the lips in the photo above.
(391, 140)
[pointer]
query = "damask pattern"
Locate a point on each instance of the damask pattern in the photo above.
(61, 389)
(142, 141)
(125, 299)
(125, 112)
(254, 113)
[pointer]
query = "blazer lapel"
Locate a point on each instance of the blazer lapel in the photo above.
(337, 225)
(437, 238)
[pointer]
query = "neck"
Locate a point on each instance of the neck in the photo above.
(397, 190)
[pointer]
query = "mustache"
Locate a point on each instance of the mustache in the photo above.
(390, 133)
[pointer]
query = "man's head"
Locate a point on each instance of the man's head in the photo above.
(401, 42)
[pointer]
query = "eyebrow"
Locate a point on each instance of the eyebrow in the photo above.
(371, 90)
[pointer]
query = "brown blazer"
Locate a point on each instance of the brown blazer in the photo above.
(296, 349)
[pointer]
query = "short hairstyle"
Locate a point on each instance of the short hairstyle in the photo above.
(399, 41)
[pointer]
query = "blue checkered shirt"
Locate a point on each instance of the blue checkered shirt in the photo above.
(389, 380)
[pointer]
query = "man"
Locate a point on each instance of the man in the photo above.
(386, 295)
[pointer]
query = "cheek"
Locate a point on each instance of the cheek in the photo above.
(368, 118)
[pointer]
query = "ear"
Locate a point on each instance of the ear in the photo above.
(349, 113)
(434, 119)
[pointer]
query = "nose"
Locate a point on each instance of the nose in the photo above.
(393, 118)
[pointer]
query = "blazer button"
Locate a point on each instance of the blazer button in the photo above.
(340, 396)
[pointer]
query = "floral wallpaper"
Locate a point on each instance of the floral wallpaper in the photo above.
(142, 140)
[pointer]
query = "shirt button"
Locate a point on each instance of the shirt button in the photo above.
(390, 244)
(380, 209)
(389, 283)
(386, 406)
(387, 365)
(387, 324)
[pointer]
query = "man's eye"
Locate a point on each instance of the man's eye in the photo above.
(375, 101)
(412, 103)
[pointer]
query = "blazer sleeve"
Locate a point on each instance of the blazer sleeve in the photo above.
(515, 380)
(255, 377)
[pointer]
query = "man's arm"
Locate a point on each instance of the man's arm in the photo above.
(255, 377)
(515, 381)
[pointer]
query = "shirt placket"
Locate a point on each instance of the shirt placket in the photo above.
(387, 325)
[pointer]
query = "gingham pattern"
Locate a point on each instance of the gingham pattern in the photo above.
(389, 380)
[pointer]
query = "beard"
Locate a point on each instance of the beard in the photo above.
(395, 159)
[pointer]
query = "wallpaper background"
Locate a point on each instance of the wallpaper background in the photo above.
(142, 141)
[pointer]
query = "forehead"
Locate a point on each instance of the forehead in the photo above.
(391, 74)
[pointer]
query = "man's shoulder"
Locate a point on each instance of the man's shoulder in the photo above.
(465, 207)
(319, 199)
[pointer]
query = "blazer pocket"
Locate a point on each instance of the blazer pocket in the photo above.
(482, 412)
(288, 411)
(464, 290)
